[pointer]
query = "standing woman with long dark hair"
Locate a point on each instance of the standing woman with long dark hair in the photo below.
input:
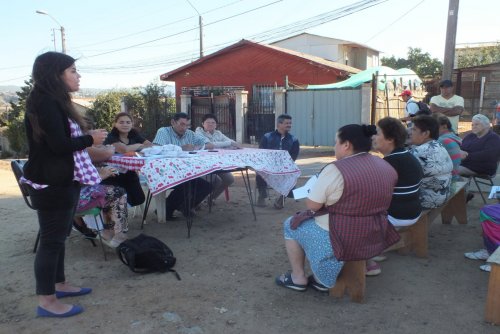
(57, 165)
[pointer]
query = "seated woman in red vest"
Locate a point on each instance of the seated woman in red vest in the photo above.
(352, 196)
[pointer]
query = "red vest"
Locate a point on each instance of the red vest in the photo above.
(358, 225)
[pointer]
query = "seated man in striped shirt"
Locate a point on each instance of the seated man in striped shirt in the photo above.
(180, 135)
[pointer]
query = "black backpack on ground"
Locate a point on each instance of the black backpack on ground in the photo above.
(423, 109)
(145, 254)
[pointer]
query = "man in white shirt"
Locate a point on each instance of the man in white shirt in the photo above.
(447, 103)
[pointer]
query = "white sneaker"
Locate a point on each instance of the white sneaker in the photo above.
(485, 267)
(481, 254)
(379, 258)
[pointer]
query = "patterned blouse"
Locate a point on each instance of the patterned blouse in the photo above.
(437, 167)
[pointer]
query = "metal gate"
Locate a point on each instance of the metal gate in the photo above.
(260, 117)
(318, 114)
(223, 107)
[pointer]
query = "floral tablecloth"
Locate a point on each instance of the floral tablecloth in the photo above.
(275, 166)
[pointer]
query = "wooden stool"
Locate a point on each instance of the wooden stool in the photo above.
(351, 280)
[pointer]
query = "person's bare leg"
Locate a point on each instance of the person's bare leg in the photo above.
(297, 257)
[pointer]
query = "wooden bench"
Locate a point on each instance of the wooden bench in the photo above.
(414, 238)
(352, 279)
(492, 314)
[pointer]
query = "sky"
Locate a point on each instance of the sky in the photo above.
(125, 43)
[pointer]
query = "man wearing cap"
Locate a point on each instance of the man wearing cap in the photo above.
(411, 108)
(448, 104)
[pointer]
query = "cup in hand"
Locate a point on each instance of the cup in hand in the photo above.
(98, 136)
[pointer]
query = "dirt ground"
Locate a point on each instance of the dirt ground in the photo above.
(228, 268)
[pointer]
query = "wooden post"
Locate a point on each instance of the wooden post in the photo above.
(374, 98)
(451, 35)
(492, 313)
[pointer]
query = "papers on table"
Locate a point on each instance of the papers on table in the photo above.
(303, 191)
(494, 191)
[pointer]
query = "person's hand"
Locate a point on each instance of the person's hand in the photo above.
(209, 146)
(463, 154)
(109, 148)
(98, 136)
(146, 144)
(187, 147)
(299, 217)
(235, 144)
(107, 171)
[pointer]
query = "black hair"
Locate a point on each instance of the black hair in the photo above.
(443, 120)
(392, 128)
(207, 116)
(47, 71)
(281, 118)
(427, 123)
(360, 136)
(179, 115)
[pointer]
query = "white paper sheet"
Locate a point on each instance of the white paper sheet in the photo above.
(303, 191)
(493, 192)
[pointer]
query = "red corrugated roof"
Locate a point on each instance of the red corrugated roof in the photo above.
(244, 43)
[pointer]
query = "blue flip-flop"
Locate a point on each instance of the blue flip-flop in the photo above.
(81, 292)
(287, 282)
(316, 285)
(75, 309)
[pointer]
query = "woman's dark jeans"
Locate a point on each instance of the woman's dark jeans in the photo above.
(56, 208)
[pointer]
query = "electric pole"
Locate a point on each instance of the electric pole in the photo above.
(451, 36)
(201, 35)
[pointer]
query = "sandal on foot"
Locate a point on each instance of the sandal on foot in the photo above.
(285, 280)
(316, 285)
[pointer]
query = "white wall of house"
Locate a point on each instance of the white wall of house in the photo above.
(319, 46)
(333, 49)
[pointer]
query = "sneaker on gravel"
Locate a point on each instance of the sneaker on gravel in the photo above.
(485, 267)
(372, 269)
(379, 258)
(481, 254)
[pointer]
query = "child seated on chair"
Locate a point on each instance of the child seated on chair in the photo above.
(113, 201)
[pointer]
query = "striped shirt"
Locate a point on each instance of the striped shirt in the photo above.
(452, 143)
(167, 135)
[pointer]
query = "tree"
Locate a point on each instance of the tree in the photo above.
(469, 57)
(420, 63)
(104, 109)
(16, 133)
(148, 106)
(159, 105)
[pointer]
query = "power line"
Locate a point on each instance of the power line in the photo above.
(182, 32)
(272, 34)
(396, 20)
